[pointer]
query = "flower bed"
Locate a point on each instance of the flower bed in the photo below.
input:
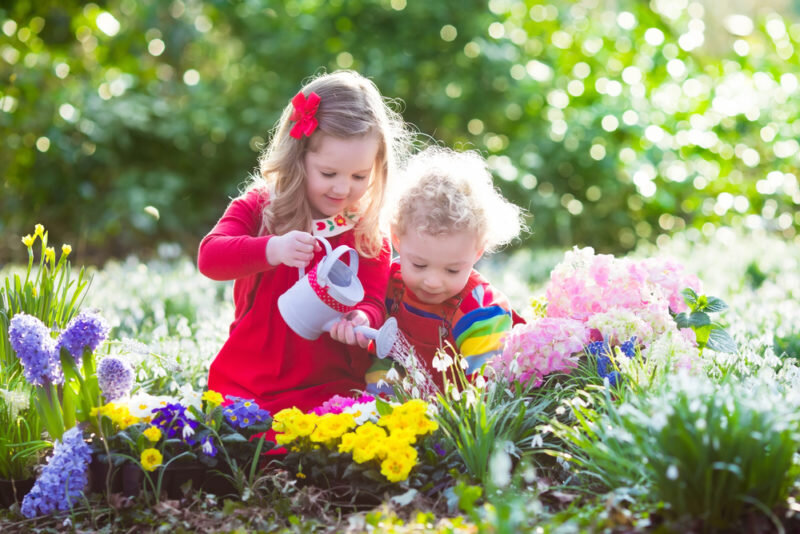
(621, 360)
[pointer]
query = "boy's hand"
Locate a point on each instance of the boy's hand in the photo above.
(343, 330)
(295, 249)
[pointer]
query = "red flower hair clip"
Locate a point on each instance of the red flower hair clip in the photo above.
(304, 111)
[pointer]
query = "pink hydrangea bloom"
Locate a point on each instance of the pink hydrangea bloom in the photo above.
(534, 350)
(585, 284)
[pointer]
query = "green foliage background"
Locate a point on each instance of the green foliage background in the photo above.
(608, 120)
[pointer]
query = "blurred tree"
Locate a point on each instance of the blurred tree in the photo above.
(607, 120)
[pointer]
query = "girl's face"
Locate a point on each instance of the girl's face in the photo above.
(338, 173)
(436, 267)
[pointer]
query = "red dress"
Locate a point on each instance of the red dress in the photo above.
(263, 359)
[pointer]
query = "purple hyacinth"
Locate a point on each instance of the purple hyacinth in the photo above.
(115, 377)
(244, 412)
(30, 338)
(60, 486)
(86, 331)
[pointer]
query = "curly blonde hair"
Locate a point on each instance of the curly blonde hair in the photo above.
(350, 106)
(448, 191)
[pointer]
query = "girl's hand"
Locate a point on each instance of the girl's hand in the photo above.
(343, 330)
(295, 249)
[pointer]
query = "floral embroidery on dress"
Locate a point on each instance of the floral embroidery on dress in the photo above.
(338, 224)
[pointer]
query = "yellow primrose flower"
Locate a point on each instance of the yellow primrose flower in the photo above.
(151, 459)
(284, 439)
(331, 426)
(412, 407)
(66, 249)
(371, 431)
(50, 254)
(38, 230)
(405, 436)
(153, 433)
(396, 468)
(213, 398)
(368, 450)
(284, 418)
(348, 442)
(28, 240)
(303, 425)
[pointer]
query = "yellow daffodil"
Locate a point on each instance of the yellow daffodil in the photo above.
(151, 459)
(38, 230)
(50, 255)
(153, 433)
(66, 249)
(213, 398)
(28, 240)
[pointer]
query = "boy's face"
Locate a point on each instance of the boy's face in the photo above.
(436, 267)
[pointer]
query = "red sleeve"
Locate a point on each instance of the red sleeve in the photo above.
(374, 276)
(233, 249)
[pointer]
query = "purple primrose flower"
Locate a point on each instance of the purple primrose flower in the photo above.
(244, 412)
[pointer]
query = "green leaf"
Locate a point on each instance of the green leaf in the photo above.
(383, 407)
(234, 438)
(467, 495)
(689, 296)
(715, 305)
(698, 319)
(720, 341)
(682, 320)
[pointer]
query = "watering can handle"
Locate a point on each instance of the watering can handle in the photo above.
(327, 263)
(327, 252)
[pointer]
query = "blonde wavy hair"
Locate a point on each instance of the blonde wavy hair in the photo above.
(350, 106)
(448, 191)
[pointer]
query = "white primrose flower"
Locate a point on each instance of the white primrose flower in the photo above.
(363, 412)
(142, 404)
(190, 397)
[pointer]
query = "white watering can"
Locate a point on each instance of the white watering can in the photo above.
(320, 298)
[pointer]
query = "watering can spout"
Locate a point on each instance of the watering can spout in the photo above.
(385, 337)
